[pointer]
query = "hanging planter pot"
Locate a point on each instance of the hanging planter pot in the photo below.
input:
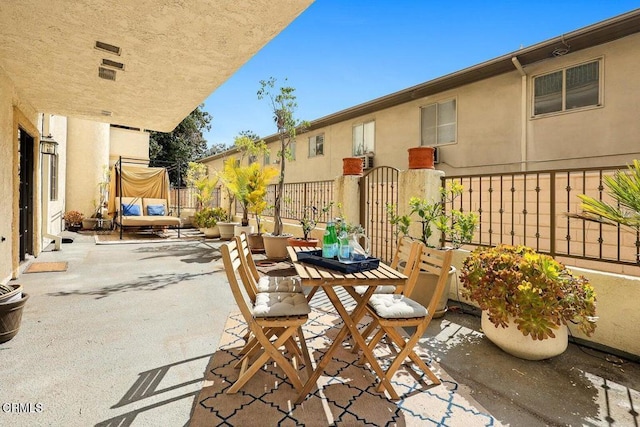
(421, 157)
(352, 166)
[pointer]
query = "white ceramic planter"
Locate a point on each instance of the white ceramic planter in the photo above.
(512, 341)
(239, 229)
(275, 247)
(226, 230)
(426, 287)
(211, 232)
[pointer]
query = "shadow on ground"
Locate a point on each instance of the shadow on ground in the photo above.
(145, 283)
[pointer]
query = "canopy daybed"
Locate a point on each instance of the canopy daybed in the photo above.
(139, 196)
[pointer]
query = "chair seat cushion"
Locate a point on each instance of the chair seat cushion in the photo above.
(279, 284)
(279, 304)
(396, 307)
(386, 289)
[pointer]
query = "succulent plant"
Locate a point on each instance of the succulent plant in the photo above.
(535, 291)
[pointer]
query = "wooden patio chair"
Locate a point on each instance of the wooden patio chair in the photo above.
(264, 283)
(254, 284)
(406, 258)
(392, 312)
(277, 316)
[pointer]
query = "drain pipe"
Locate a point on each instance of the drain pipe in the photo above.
(43, 196)
(523, 115)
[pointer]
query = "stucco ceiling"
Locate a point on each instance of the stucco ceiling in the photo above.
(175, 53)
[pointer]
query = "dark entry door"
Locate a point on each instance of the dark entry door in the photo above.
(26, 193)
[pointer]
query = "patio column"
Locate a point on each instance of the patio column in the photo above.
(87, 155)
(421, 183)
(346, 191)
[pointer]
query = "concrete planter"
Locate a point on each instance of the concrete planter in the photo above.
(512, 341)
(239, 229)
(275, 247)
(425, 288)
(211, 232)
(227, 230)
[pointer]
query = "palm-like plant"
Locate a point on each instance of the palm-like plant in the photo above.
(624, 188)
(247, 183)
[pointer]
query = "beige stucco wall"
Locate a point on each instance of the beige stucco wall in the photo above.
(128, 143)
(14, 111)
(87, 155)
(601, 132)
(6, 177)
(491, 123)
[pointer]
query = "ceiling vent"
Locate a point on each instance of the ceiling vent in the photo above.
(113, 64)
(106, 73)
(108, 48)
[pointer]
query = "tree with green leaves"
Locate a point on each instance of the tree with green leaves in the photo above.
(283, 106)
(175, 149)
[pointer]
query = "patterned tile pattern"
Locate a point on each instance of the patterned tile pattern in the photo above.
(345, 395)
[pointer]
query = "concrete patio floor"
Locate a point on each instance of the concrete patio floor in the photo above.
(124, 335)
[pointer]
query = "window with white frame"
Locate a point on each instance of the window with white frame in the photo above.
(292, 150)
(364, 138)
(438, 123)
(567, 89)
(53, 177)
(316, 145)
(267, 158)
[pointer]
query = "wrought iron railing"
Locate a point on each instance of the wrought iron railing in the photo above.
(298, 195)
(531, 208)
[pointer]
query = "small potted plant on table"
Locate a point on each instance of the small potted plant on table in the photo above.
(527, 299)
(308, 222)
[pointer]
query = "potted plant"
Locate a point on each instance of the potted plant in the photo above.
(308, 222)
(433, 223)
(97, 221)
(283, 105)
(207, 220)
(527, 299)
(258, 181)
(73, 220)
(12, 301)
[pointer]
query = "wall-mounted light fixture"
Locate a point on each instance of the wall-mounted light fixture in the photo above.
(48, 145)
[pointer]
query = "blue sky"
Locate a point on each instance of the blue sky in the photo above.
(341, 53)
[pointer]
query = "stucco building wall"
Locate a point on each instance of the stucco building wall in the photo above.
(128, 143)
(87, 156)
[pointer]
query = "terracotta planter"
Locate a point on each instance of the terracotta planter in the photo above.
(425, 288)
(10, 317)
(275, 247)
(512, 341)
(352, 166)
(256, 243)
(300, 242)
(421, 157)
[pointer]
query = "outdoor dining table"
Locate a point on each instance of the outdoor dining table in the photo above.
(319, 277)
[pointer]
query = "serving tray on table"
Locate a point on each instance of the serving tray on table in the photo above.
(316, 258)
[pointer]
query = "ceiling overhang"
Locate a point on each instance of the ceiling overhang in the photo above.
(174, 54)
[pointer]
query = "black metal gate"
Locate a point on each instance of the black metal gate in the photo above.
(379, 187)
